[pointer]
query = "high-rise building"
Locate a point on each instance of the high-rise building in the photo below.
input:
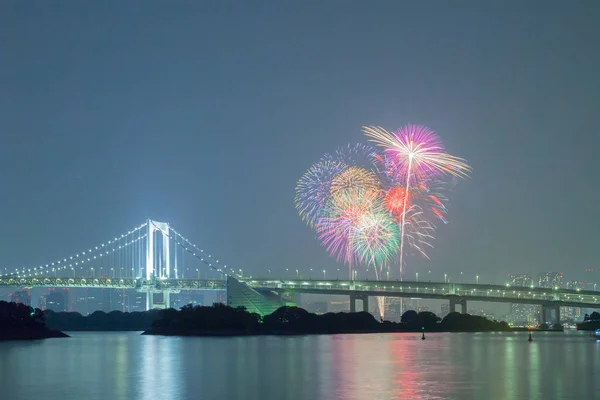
(576, 285)
(222, 297)
(42, 303)
(21, 296)
(136, 301)
(523, 280)
(87, 301)
(187, 297)
(590, 279)
(574, 313)
(445, 310)
(521, 314)
(111, 300)
(57, 301)
(318, 307)
(550, 280)
(392, 308)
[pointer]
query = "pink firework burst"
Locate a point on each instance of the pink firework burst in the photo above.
(416, 153)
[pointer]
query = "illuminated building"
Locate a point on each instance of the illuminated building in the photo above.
(523, 280)
(317, 307)
(392, 308)
(338, 306)
(590, 279)
(573, 313)
(21, 296)
(521, 314)
(445, 310)
(57, 301)
(187, 297)
(550, 280)
(42, 303)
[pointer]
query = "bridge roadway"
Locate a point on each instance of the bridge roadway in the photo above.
(455, 293)
(140, 284)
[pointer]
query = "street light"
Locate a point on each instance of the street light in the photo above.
(297, 274)
(477, 279)
(446, 278)
(417, 274)
(461, 277)
(269, 271)
(324, 275)
(198, 272)
(429, 276)
(310, 274)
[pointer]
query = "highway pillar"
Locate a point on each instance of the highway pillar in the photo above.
(544, 314)
(167, 299)
(365, 300)
(456, 300)
(556, 314)
(352, 303)
(149, 300)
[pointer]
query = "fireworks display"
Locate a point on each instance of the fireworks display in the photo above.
(341, 219)
(314, 189)
(371, 206)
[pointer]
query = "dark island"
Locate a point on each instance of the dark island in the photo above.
(590, 322)
(222, 320)
(101, 321)
(21, 322)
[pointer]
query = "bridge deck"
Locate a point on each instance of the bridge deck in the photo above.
(425, 290)
(116, 283)
(435, 290)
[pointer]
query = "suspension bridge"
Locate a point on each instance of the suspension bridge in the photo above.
(155, 259)
(149, 258)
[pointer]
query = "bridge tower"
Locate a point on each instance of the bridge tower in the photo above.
(164, 270)
(158, 264)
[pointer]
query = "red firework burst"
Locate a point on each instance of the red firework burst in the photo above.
(394, 200)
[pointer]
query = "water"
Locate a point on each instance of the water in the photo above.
(100, 366)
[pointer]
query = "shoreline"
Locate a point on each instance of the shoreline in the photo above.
(232, 333)
(19, 335)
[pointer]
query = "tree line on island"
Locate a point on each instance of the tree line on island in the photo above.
(224, 320)
(19, 321)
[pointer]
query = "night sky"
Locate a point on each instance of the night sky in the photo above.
(205, 114)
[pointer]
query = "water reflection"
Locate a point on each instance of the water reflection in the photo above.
(117, 366)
